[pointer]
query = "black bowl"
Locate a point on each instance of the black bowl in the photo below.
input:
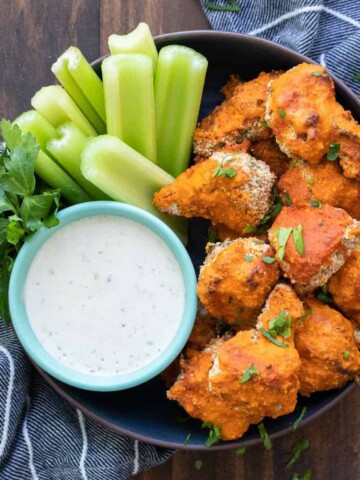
(144, 412)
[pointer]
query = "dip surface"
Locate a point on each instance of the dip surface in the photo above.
(105, 295)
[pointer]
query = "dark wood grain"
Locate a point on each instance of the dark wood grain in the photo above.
(33, 33)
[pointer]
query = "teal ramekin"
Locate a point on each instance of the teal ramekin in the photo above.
(54, 367)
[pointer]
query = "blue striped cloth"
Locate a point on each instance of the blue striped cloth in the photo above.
(328, 31)
(41, 436)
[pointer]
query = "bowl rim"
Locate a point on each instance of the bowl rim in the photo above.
(188, 35)
(32, 344)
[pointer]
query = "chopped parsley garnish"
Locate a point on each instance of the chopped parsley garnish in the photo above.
(263, 123)
(240, 451)
(294, 164)
(214, 434)
(280, 325)
(282, 236)
(272, 339)
(333, 152)
(187, 439)
(224, 172)
(315, 203)
(310, 181)
(297, 422)
(268, 259)
(264, 436)
(251, 371)
(299, 240)
(316, 74)
(212, 237)
(233, 7)
(282, 113)
(306, 476)
(249, 258)
(198, 465)
(307, 314)
(298, 448)
(324, 295)
(249, 229)
(288, 201)
(346, 354)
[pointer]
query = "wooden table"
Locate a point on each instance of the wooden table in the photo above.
(32, 35)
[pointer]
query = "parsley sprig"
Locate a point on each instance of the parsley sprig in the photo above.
(214, 434)
(297, 422)
(250, 372)
(333, 152)
(24, 205)
(220, 171)
(280, 325)
(298, 448)
(265, 436)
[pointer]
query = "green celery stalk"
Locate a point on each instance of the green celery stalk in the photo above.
(140, 40)
(129, 101)
(83, 85)
(54, 176)
(36, 124)
(57, 107)
(67, 150)
(179, 83)
(127, 176)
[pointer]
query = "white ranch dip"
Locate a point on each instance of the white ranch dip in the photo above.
(105, 295)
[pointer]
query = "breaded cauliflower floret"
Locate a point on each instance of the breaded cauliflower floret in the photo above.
(328, 235)
(348, 137)
(235, 281)
(328, 352)
(324, 183)
(240, 116)
(344, 286)
(234, 190)
(299, 109)
(211, 386)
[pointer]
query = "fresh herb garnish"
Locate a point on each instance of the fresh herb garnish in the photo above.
(333, 152)
(214, 434)
(302, 318)
(233, 7)
(297, 422)
(248, 258)
(310, 181)
(346, 354)
(282, 236)
(268, 259)
(282, 113)
(187, 439)
(224, 172)
(212, 237)
(249, 229)
(298, 448)
(299, 240)
(288, 201)
(264, 436)
(316, 74)
(324, 295)
(315, 203)
(293, 164)
(265, 222)
(306, 476)
(240, 451)
(24, 208)
(272, 339)
(198, 465)
(280, 325)
(249, 373)
(263, 123)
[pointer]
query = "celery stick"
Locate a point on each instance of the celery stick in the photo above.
(139, 40)
(129, 101)
(127, 176)
(57, 107)
(67, 151)
(179, 82)
(36, 124)
(55, 177)
(83, 85)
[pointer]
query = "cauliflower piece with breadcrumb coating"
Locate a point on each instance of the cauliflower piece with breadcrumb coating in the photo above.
(312, 244)
(234, 190)
(328, 352)
(235, 279)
